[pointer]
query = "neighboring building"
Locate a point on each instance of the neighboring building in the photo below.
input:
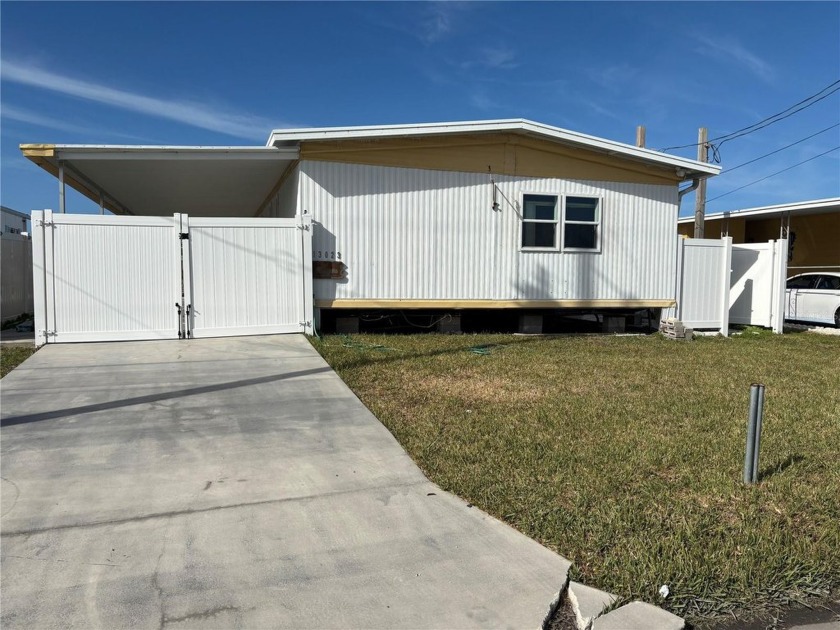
(811, 227)
(15, 265)
(446, 216)
(15, 224)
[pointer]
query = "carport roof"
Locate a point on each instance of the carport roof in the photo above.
(161, 180)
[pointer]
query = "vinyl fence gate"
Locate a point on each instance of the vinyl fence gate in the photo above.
(110, 278)
(719, 283)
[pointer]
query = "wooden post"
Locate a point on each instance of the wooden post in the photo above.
(640, 136)
(61, 203)
(700, 198)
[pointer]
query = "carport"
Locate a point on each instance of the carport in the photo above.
(184, 254)
(160, 180)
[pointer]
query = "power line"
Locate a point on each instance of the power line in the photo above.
(786, 113)
(767, 124)
(774, 174)
(792, 144)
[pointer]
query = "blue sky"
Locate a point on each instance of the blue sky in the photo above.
(226, 74)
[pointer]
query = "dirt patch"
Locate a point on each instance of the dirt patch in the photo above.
(480, 388)
(563, 618)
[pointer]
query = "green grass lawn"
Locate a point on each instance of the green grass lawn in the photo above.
(625, 454)
(12, 355)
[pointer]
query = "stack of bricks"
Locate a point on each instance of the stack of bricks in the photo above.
(674, 329)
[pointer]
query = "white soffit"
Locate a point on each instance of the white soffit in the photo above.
(292, 137)
(161, 180)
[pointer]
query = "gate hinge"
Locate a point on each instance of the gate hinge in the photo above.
(46, 223)
(184, 236)
(49, 333)
(303, 227)
(306, 324)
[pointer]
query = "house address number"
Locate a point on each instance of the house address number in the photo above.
(324, 254)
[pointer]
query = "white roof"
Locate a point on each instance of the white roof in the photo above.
(817, 206)
(291, 137)
(160, 180)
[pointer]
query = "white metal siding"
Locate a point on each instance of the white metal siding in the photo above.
(284, 204)
(424, 234)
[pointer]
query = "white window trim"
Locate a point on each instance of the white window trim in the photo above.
(557, 221)
(598, 227)
(560, 223)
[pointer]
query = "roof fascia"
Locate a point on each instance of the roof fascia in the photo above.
(800, 207)
(282, 136)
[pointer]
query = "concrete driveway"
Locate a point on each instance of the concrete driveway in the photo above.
(235, 483)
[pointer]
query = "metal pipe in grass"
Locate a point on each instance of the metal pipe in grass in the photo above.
(758, 422)
(749, 459)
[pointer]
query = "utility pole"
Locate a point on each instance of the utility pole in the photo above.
(640, 136)
(700, 198)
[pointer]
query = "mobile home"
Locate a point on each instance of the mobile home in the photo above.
(506, 214)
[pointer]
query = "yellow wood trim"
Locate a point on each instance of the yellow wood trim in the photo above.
(38, 150)
(460, 304)
(664, 174)
(510, 154)
(309, 149)
(286, 173)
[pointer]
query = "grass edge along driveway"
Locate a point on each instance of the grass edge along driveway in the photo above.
(12, 355)
(625, 454)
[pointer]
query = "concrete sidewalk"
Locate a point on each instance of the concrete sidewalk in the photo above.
(235, 483)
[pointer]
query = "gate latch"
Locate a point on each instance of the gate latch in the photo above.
(184, 236)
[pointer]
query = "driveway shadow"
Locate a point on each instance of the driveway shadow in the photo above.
(150, 398)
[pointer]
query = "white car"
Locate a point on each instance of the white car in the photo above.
(814, 297)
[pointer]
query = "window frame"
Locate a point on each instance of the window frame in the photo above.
(597, 224)
(560, 223)
(556, 222)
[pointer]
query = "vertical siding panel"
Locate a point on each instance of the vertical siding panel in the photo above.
(422, 234)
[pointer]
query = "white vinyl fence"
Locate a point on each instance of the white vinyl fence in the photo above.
(719, 283)
(15, 278)
(757, 286)
(105, 278)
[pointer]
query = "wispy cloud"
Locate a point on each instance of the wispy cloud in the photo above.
(21, 115)
(185, 112)
(501, 58)
(480, 100)
(10, 112)
(439, 20)
(731, 51)
(613, 77)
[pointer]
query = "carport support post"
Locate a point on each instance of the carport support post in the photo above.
(61, 206)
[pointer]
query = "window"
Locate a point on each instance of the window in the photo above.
(829, 283)
(581, 223)
(539, 221)
(801, 282)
